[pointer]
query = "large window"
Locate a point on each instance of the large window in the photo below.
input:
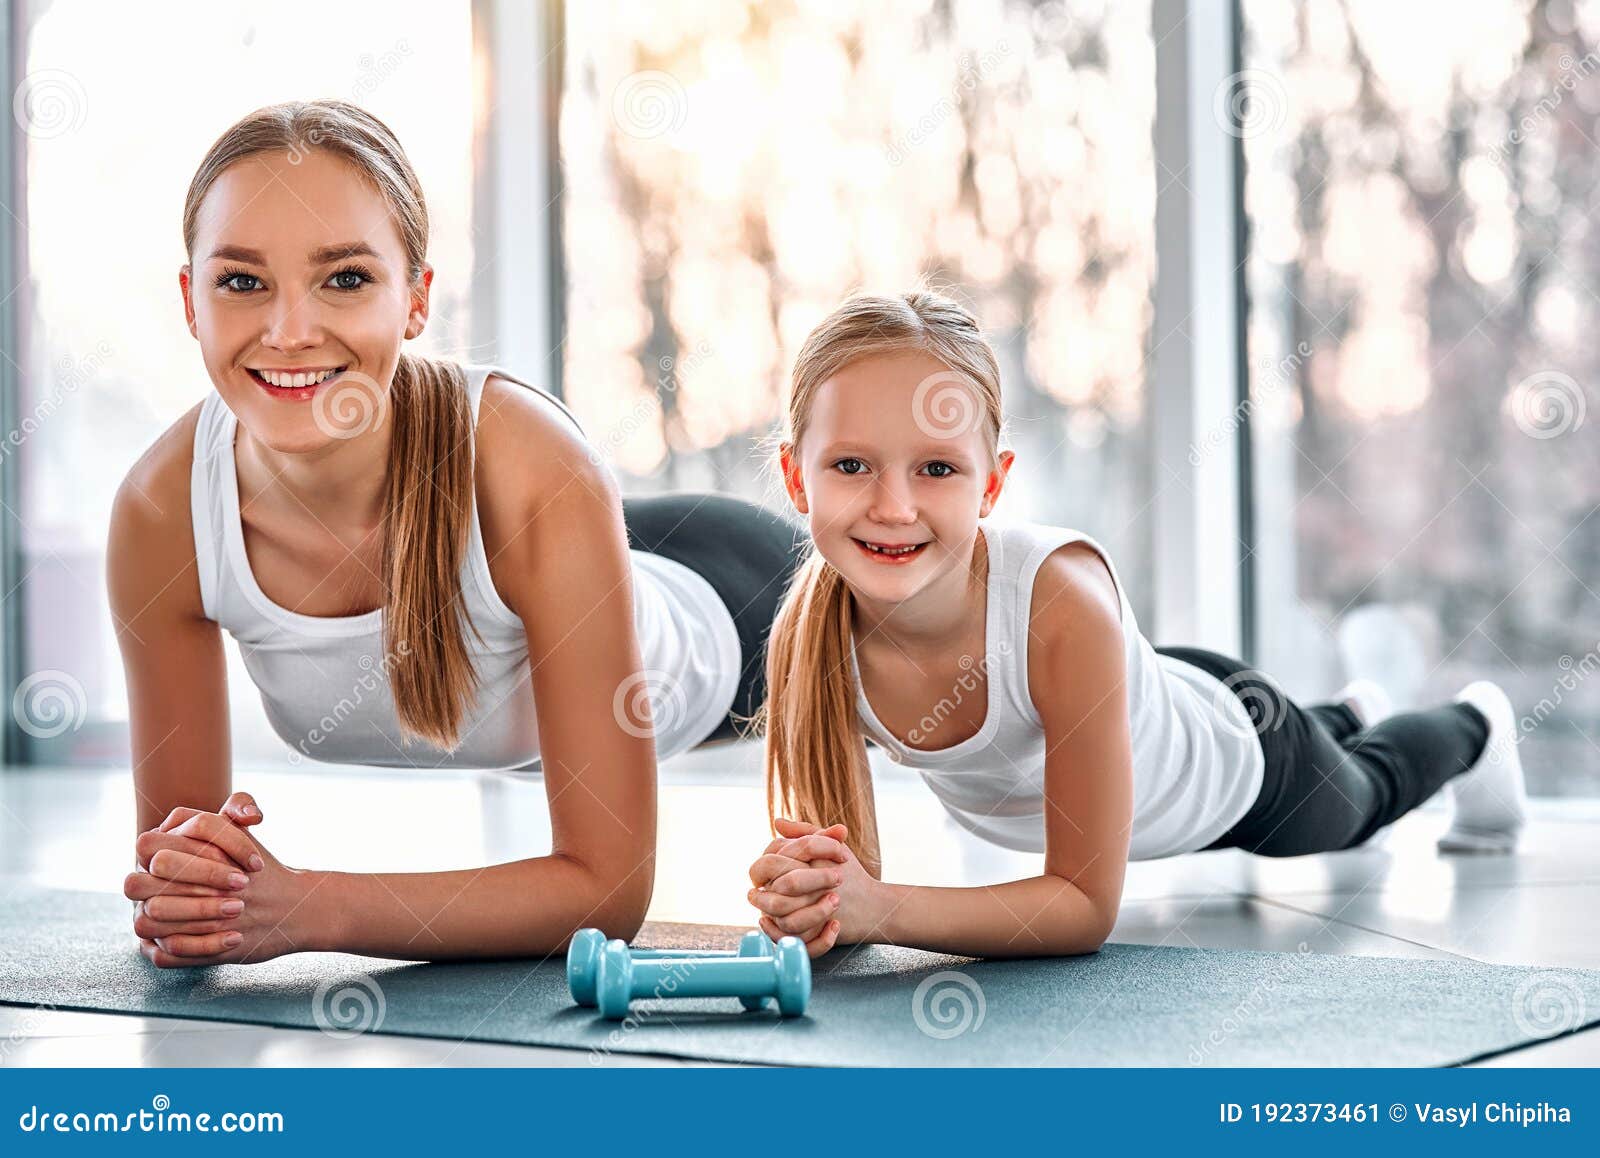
(1423, 303)
(733, 170)
(110, 139)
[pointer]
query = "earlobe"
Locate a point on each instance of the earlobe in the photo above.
(418, 319)
(188, 302)
(797, 493)
(791, 478)
(996, 482)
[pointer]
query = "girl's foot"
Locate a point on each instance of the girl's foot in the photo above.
(1367, 699)
(1371, 704)
(1488, 801)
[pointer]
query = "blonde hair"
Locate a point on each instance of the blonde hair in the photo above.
(424, 527)
(815, 763)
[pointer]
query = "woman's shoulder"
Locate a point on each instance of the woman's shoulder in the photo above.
(514, 418)
(151, 534)
(159, 478)
(535, 469)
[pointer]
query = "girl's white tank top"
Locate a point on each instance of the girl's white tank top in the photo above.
(324, 680)
(1197, 760)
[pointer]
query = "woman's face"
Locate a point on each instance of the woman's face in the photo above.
(299, 271)
(894, 454)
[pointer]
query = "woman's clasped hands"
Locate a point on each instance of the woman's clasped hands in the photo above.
(208, 893)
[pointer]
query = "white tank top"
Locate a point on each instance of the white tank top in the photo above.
(1197, 761)
(324, 682)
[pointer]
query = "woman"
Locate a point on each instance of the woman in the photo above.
(424, 565)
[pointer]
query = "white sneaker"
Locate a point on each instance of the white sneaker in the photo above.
(1371, 704)
(1488, 802)
(1367, 699)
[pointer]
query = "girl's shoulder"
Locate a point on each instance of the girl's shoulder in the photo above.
(1076, 605)
(1074, 616)
(1064, 566)
(1076, 578)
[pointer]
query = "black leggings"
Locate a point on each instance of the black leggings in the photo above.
(1329, 783)
(746, 552)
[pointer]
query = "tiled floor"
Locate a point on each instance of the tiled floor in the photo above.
(74, 829)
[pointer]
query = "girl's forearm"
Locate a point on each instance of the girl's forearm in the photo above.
(1043, 916)
(517, 909)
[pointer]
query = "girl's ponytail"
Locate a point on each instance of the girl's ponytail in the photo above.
(816, 764)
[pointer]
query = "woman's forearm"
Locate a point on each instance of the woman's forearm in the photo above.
(517, 909)
(1043, 916)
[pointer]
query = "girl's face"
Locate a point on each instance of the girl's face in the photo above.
(299, 270)
(895, 456)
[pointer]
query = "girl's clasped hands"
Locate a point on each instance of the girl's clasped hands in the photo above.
(808, 884)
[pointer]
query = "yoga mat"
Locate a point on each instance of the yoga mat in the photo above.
(874, 1005)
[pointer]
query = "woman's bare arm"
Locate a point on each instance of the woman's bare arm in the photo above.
(172, 656)
(558, 551)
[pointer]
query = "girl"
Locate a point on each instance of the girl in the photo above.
(1078, 740)
(424, 564)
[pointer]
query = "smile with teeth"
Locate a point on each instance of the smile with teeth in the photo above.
(890, 549)
(294, 381)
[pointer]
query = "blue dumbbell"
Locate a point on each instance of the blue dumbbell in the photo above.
(583, 959)
(785, 974)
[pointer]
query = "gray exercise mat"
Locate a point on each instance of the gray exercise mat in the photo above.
(1126, 1005)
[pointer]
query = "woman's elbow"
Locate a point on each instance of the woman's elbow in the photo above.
(617, 898)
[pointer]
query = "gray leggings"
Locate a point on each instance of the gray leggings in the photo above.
(1329, 783)
(746, 552)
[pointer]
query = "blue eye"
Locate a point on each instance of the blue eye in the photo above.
(362, 277)
(943, 466)
(840, 465)
(228, 276)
